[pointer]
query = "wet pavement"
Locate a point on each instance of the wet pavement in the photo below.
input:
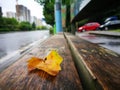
(10, 42)
(112, 43)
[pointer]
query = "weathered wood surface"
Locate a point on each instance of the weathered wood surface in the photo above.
(17, 76)
(104, 64)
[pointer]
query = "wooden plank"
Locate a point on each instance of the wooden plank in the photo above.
(104, 64)
(17, 76)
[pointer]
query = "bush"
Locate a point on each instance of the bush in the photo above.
(33, 26)
(25, 26)
(42, 28)
(8, 24)
(51, 30)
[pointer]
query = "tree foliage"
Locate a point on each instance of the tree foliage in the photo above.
(49, 13)
(33, 25)
(11, 24)
(8, 24)
(48, 10)
(25, 26)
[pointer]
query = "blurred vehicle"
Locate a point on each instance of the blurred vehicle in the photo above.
(114, 24)
(89, 27)
(111, 18)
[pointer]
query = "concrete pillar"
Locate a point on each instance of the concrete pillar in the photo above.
(58, 18)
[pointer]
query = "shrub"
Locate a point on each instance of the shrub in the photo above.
(51, 30)
(42, 28)
(25, 26)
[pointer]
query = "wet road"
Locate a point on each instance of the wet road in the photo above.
(10, 42)
(111, 43)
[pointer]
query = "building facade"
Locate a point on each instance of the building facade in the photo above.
(0, 11)
(11, 14)
(23, 13)
(38, 22)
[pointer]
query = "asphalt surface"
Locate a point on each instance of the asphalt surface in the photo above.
(11, 42)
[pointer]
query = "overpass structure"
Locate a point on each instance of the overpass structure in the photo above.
(98, 8)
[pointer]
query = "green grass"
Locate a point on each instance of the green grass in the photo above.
(117, 30)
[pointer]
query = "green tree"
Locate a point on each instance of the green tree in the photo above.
(48, 11)
(8, 24)
(25, 26)
(33, 25)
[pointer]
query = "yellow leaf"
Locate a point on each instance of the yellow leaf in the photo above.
(53, 55)
(51, 64)
(33, 62)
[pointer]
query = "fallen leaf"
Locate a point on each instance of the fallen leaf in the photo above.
(51, 63)
(33, 62)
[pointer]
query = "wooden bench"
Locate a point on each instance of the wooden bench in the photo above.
(17, 76)
(101, 65)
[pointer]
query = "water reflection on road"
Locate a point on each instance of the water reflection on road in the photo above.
(11, 42)
(111, 43)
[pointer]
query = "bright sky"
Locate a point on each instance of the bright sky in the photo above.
(85, 2)
(35, 8)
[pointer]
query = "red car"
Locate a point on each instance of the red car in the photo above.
(89, 27)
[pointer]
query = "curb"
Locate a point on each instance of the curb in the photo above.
(105, 33)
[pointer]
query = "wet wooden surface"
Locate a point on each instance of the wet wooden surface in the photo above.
(103, 63)
(17, 76)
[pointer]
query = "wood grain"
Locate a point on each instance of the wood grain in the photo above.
(104, 63)
(17, 76)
